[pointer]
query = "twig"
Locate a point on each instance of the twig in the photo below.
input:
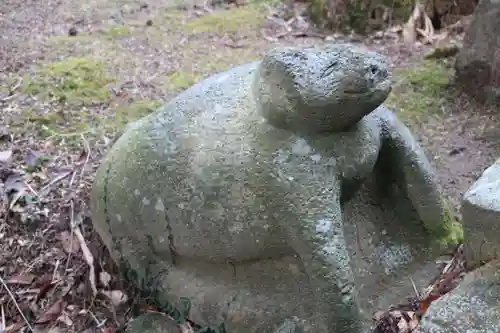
(414, 287)
(56, 180)
(87, 147)
(72, 224)
(100, 324)
(16, 304)
(12, 90)
(56, 266)
(31, 189)
(89, 259)
(54, 134)
(3, 319)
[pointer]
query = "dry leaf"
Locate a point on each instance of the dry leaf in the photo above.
(5, 156)
(69, 242)
(24, 279)
(64, 317)
(185, 328)
(51, 314)
(378, 315)
(105, 278)
(15, 328)
(46, 285)
(117, 297)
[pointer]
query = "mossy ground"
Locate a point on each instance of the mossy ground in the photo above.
(246, 18)
(100, 60)
(421, 90)
(76, 81)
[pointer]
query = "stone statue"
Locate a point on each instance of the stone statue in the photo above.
(237, 193)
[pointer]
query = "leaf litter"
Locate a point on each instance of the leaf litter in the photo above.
(48, 256)
(405, 317)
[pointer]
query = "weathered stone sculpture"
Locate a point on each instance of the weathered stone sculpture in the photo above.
(242, 193)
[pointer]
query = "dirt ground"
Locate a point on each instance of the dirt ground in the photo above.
(73, 73)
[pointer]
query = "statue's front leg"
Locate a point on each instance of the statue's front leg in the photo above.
(419, 177)
(317, 236)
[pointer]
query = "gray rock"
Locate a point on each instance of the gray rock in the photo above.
(277, 189)
(481, 217)
(477, 67)
(469, 308)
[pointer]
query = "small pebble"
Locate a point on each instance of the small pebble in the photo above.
(149, 23)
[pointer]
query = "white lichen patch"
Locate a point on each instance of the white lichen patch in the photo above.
(159, 206)
(323, 226)
(392, 257)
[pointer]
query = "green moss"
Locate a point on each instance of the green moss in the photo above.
(420, 90)
(133, 112)
(246, 18)
(179, 81)
(117, 32)
(56, 123)
(318, 12)
(75, 81)
(70, 39)
(453, 230)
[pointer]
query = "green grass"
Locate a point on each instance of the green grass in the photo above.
(117, 32)
(246, 18)
(132, 112)
(176, 82)
(75, 81)
(68, 124)
(420, 90)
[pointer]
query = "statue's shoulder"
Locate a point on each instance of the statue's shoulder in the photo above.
(224, 85)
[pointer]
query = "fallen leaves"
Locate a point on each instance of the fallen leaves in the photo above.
(5, 156)
(53, 279)
(117, 297)
(52, 313)
(405, 318)
(22, 279)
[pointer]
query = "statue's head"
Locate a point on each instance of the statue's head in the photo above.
(327, 89)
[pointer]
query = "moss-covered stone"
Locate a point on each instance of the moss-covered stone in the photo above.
(420, 90)
(75, 81)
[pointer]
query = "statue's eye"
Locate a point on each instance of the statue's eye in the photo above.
(373, 69)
